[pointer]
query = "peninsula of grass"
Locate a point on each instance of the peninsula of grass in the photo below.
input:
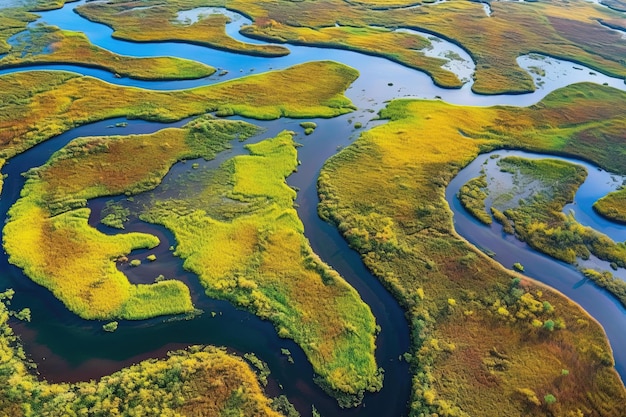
(480, 334)
(49, 45)
(47, 234)
(612, 206)
(38, 105)
(472, 196)
(241, 234)
(141, 21)
(12, 21)
(195, 381)
(400, 47)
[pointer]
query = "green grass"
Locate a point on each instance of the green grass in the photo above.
(472, 196)
(135, 22)
(241, 234)
(49, 218)
(612, 206)
(37, 105)
(49, 45)
(495, 339)
(187, 382)
(539, 219)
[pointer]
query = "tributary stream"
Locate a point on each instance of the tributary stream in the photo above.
(67, 348)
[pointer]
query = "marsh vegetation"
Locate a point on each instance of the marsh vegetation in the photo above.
(480, 334)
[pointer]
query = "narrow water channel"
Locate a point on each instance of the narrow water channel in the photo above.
(565, 278)
(68, 348)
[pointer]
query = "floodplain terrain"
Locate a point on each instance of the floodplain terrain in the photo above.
(479, 333)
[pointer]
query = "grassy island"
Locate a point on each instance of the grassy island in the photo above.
(204, 380)
(49, 45)
(612, 206)
(401, 47)
(241, 234)
(537, 217)
(480, 334)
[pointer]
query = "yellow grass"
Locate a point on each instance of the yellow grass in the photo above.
(396, 46)
(131, 20)
(48, 235)
(197, 381)
(478, 337)
(75, 48)
(38, 104)
(258, 257)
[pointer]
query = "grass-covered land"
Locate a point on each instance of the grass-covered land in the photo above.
(239, 231)
(12, 21)
(196, 381)
(571, 31)
(404, 48)
(153, 21)
(48, 236)
(539, 219)
(480, 335)
(46, 45)
(567, 30)
(612, 206)
(38, 105)
(472, 196)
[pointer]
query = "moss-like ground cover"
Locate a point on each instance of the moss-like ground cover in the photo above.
(45, 45)
(242, 236)
(48, 236)
(197, 381)
(142, 21)
(37, 105)
(540, 221)
(479, 335)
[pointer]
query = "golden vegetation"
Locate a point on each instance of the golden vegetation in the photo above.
(44, 44)
(472, 196)
(243, 238)
(612, 206)
(404, 48)
(196, 381)
(479, 337)
(141, 22)
(569, 31)
(539, 220)
(48, 236)
(37, 105)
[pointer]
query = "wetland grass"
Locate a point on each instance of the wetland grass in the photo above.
(569, 31)
(198, 380)
(49, 45)
(38, 105)
(503, 335)
(404, 48)
(243, 238)
(48, 236)
(137, 22)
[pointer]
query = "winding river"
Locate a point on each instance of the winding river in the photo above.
(67, 348)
